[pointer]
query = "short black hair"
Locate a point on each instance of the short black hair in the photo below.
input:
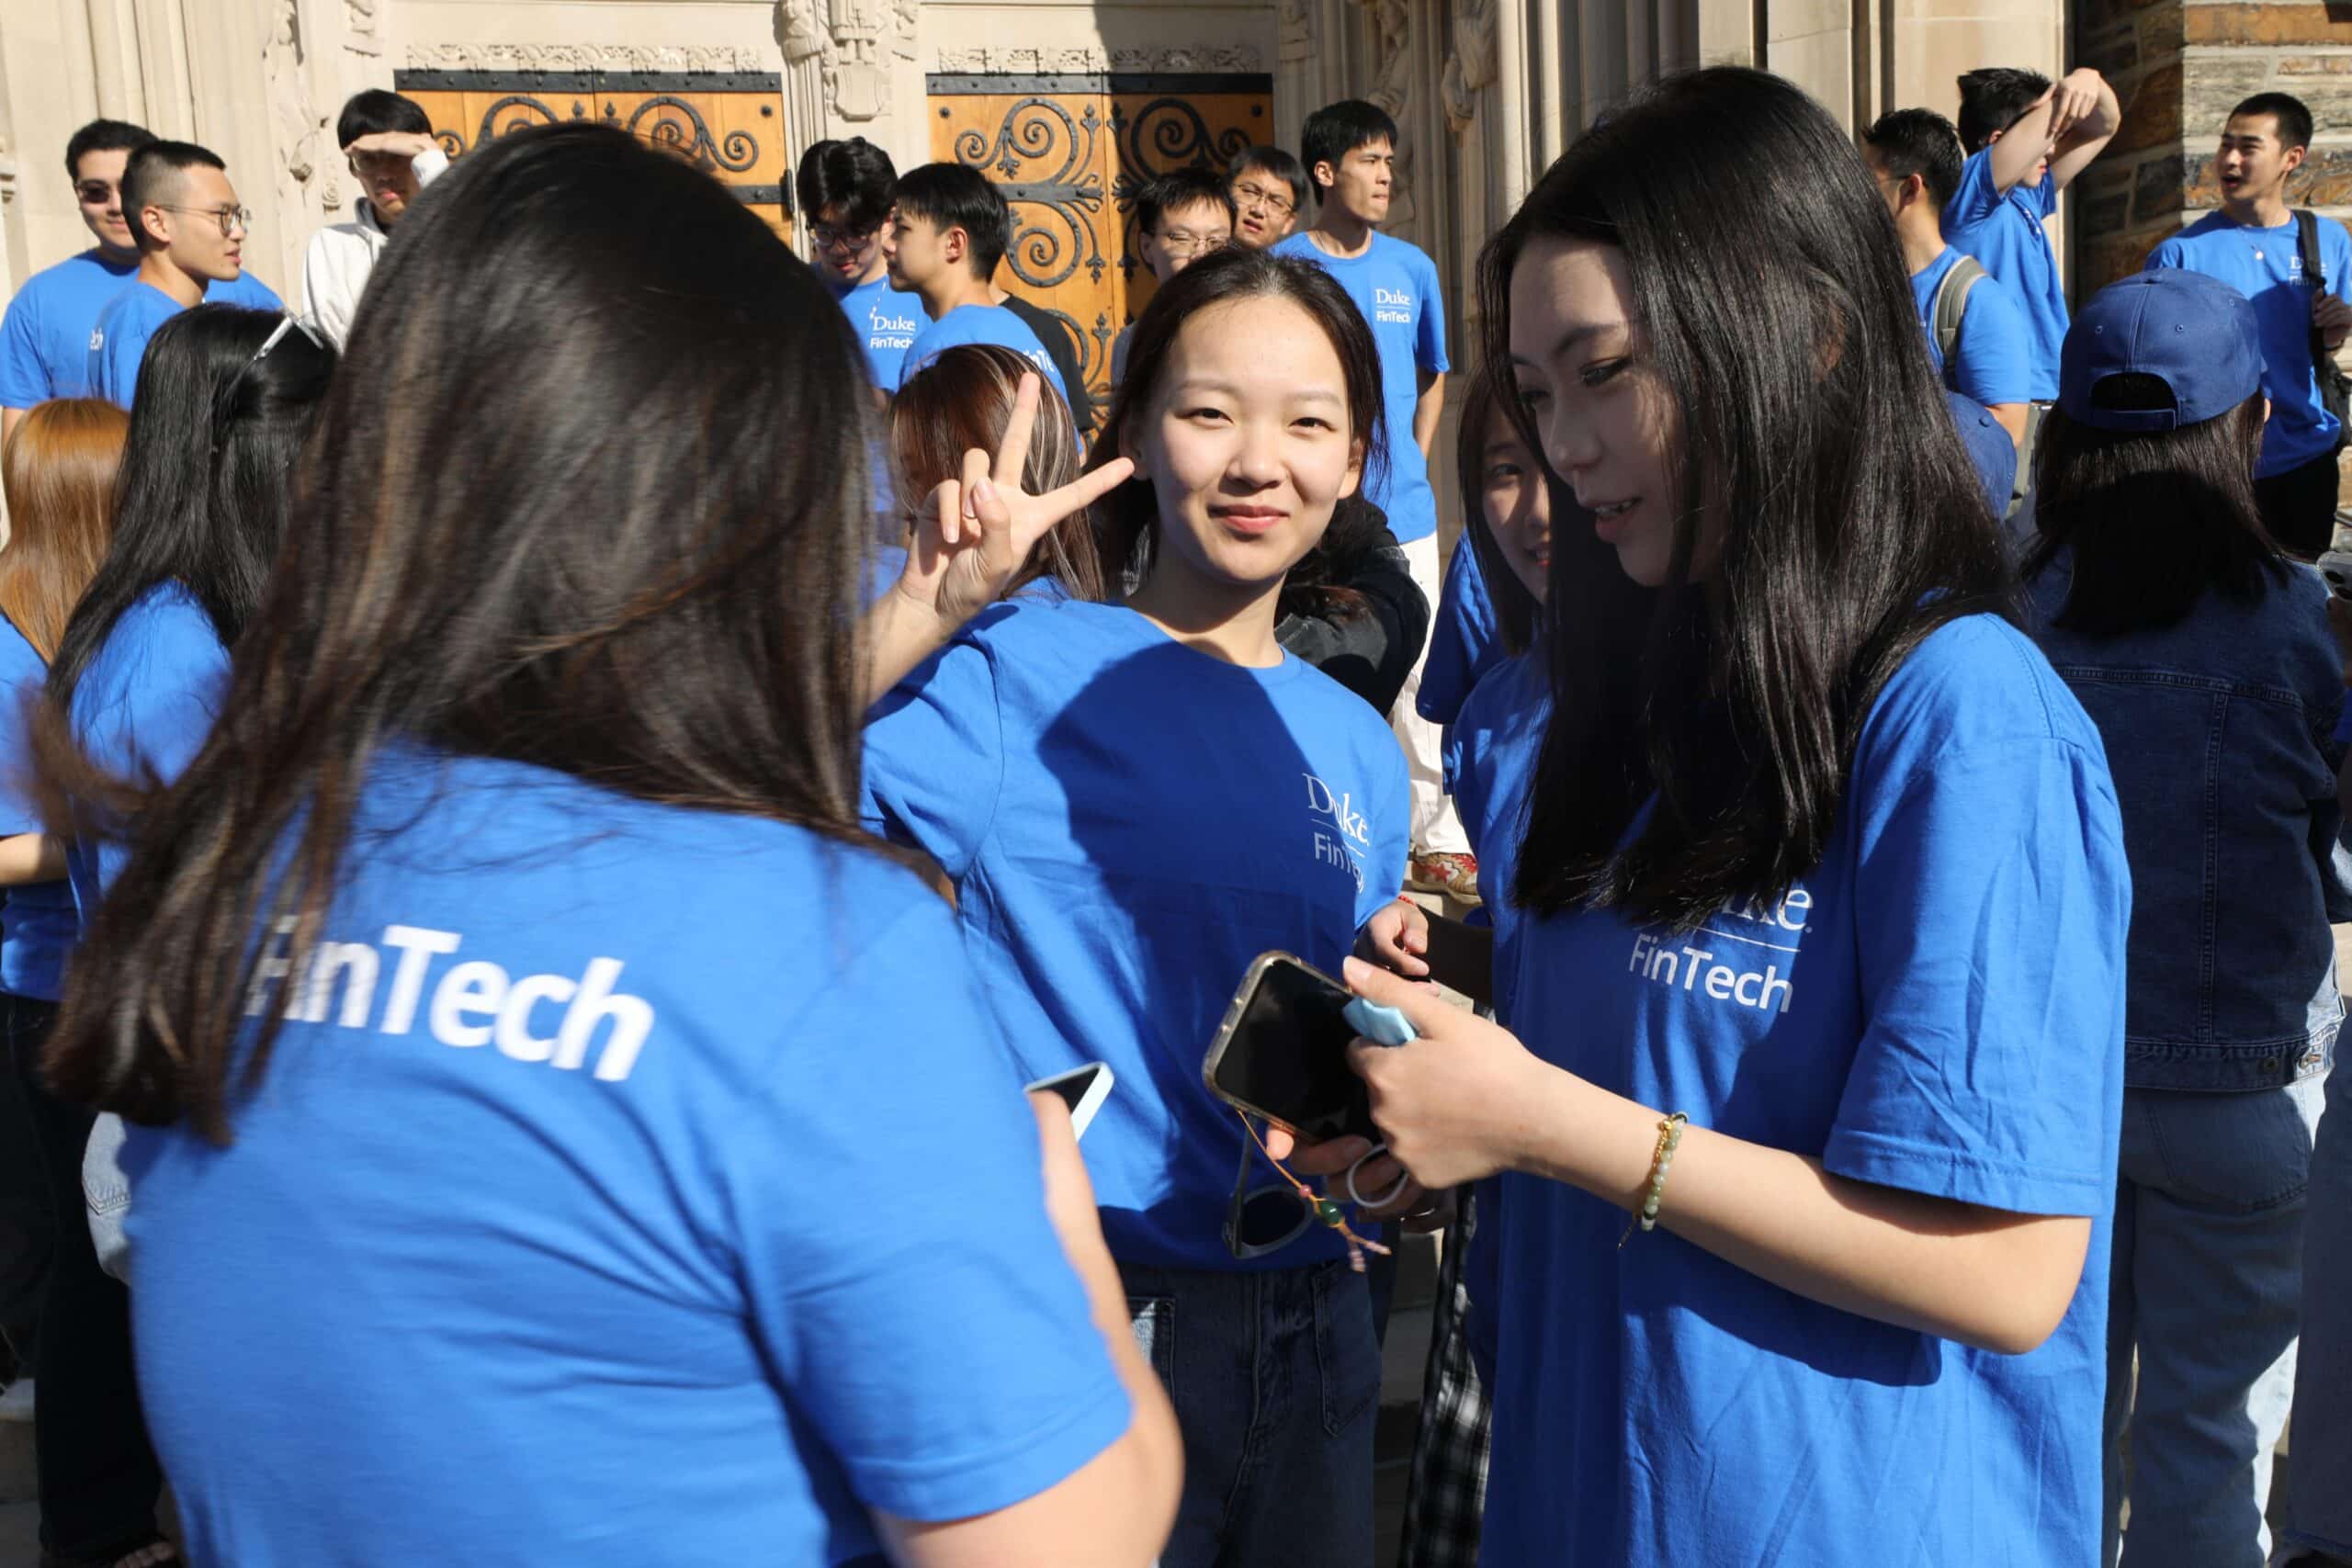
(2294, 114)
(1336, 130)
(854, 175)
(1991, 100)
(103, 136)
(375, 111)
(1275, 161)
(150, 174)
(1921, 142)
(956, 196)
(1176, 190)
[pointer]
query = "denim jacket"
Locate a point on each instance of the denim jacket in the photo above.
(2219, 733)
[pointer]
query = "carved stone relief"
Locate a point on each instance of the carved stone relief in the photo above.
(1393, 90)
(1472, 65)
(359, 34)
(1031, 61)
(308, 164)
(587, 57)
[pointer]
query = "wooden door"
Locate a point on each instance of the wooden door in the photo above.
(1071, 152)
(730, 123)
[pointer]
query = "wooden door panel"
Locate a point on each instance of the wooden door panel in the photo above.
(1072, 152)
(728, 122)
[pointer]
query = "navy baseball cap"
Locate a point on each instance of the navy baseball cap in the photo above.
(2194, 333)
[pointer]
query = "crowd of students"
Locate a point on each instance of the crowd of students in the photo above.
(1894, 750)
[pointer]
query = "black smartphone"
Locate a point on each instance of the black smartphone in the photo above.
(1281, 1052)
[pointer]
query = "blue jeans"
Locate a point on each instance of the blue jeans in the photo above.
(2319, 1482)
(1275, 1377)
(2207, 1286)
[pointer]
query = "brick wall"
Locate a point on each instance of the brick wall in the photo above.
(2180, 67)
(2130, 199)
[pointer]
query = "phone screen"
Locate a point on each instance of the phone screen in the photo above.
(1287, 1054)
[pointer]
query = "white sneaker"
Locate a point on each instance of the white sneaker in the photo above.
(17, 1405)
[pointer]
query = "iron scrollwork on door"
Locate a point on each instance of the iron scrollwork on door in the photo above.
(664, 112)
(1045, 252)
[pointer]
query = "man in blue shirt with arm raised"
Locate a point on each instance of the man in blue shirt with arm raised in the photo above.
(1915, 157)
(191, 229)
(2027, 140)
(948, 229)
(45, 338)
(1350, 151)
(2255, 244)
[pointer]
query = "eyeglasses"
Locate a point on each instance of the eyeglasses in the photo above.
(94, 193)
(1259, 196)
(828, 238)
(1264, 1220)
(1185, 242)
(230, 218)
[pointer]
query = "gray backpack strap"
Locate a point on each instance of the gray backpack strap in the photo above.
(1952, 304)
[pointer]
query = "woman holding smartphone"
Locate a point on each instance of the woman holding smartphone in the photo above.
(1135, 800)
(1808, 1115)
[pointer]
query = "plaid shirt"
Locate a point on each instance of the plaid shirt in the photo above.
(1445, 1497)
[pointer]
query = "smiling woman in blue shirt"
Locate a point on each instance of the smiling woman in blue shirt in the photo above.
(1807, 1114)
(509, 1186)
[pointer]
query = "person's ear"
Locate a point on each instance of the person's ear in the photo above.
(1995, 136)
(1354, 476)
(1915, 188)
(2293, 160)
(1324, 175)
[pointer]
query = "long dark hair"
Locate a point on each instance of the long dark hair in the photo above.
(578, 501)
(1128, 520)
(1813, 435)
(963, 399)
(206, 475)
(1518, 613)
(2154, 519)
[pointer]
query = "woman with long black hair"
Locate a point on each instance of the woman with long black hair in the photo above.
(1808, 1153)
(544, 738)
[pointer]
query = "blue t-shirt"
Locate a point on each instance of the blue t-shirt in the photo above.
(1491, 750)
(1465, 643)
(2266, 266)
(885, 321)
(45, 338)
(664, 1276)
(1129, 823)
(977, 323)
(1937, 1005)
(2006, 235)
(37, 925)
(119, 340)
(1990, 451)
(1993, 354)
(1395, 285)
(143, 707)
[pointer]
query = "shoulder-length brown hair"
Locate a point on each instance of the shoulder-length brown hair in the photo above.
(963, 399)
(57, 472)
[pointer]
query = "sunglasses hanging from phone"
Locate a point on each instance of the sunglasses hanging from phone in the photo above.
(1316, 1210)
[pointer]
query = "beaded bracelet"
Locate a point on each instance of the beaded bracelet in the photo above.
(1669, 1138)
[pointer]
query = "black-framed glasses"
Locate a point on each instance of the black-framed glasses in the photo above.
(1185, 242)
(1258, 196)
(94, 193)
(828, 238)
(230, 218)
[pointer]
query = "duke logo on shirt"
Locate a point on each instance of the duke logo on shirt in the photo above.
(889, 331)
(1742, 955)
(1393, 305)
(1342, 833)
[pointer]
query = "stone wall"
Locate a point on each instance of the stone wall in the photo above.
(2181, 66)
